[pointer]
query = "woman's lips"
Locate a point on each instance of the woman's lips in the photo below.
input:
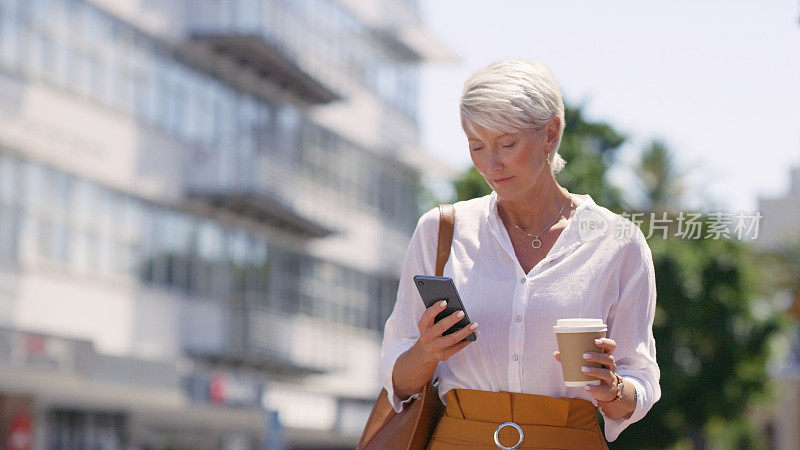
(502, 180)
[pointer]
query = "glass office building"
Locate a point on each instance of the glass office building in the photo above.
(204, 205)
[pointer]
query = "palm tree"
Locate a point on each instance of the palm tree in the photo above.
(660, 177)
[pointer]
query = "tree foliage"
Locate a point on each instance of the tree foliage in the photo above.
(589, 147)
(711, 348)
(659, 177)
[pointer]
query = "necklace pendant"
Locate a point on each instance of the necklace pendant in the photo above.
(536, 243)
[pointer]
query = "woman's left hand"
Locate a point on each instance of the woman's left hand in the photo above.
(606, 391)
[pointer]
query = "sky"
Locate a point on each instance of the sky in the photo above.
(718, 81)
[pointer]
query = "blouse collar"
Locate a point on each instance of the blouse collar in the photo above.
(567, 241)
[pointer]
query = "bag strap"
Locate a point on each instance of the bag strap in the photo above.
(447, 218)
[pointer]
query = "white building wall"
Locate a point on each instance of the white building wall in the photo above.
(119, 318)
(781, 222)
(81, 137)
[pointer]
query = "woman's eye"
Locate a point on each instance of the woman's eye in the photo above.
(510, 145)
(476, 149)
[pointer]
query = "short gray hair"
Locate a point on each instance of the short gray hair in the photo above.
(514, 96)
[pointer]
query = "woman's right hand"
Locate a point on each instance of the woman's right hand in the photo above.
(431, 345)
(416, 366)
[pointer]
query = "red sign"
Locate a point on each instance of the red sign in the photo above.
(20, 436)
(217, 389)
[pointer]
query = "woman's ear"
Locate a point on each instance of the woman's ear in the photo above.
(552, 128)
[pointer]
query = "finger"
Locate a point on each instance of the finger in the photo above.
(430, 314)
(557, 356)
(605, 359)
(439, 328)
(446, 354)
(601, 374)
(608, 345)
(445, 324)
(454, 338)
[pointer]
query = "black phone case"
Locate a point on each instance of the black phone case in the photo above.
(435, 289)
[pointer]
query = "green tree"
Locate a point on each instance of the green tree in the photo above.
(660, 177)
(590, 147)
(712, 349)
(471, 185)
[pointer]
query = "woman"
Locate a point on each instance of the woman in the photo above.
(521, 260)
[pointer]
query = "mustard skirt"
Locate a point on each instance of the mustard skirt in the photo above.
(482, 419)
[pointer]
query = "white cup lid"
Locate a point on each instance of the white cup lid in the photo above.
(579, 322)
(578, 325)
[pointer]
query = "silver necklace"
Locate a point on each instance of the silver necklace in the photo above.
(536, 242)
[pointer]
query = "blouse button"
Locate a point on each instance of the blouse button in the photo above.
(515, 357)
(522, 280)
(517, 317)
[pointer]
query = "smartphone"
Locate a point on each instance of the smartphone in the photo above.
(436, 289)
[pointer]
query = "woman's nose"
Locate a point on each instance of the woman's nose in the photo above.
(493, 163)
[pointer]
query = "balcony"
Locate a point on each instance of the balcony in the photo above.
(260, 40)
(267, 60)
(255, 337)
(264, 186)
(264, 207)
(397, 24)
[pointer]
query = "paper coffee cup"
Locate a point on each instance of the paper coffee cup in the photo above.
(576, 337)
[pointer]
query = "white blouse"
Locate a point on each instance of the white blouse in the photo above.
(607, 275)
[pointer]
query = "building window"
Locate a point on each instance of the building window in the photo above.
(96, 230)
(9, 33)
(79, 429)
(9, 205)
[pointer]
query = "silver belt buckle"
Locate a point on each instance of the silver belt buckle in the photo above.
(497, 435)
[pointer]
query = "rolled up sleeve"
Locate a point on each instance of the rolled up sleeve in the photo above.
(401, 331)
(631, 326)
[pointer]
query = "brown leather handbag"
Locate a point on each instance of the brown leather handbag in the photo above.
(411, 428)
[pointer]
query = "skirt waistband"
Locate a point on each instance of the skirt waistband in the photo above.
(472, 417)
(528, 409)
